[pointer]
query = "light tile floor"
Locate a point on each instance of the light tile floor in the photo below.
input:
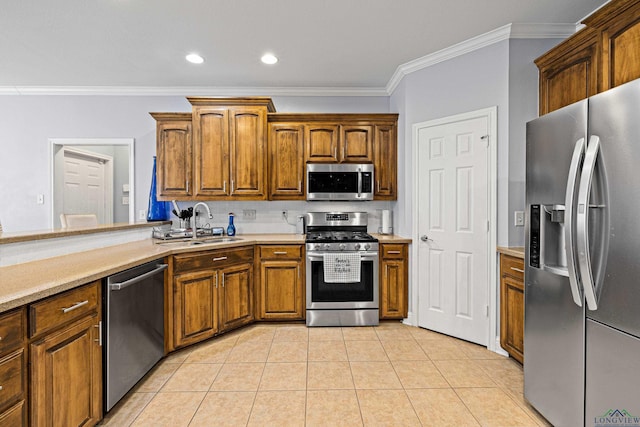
(281, 375)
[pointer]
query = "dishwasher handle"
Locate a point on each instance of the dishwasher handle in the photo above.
(120, 286)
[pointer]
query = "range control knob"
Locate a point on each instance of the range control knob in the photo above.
(327, 246)
(342, 246)
(367, 246)
(356, 246)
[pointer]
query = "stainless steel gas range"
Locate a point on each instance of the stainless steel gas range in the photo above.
(342, 270)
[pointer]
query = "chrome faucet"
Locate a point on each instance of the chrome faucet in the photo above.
(195, 217)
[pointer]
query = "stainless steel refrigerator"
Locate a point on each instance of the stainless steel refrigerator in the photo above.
(582, 261)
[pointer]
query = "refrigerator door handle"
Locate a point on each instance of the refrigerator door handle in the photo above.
(572, 183)
(582, 222)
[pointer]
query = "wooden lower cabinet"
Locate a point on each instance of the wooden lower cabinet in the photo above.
(281, 282)
(512, 306)
(394, 278)
(66, 376)
(235, 296)
(212, 293)
(13, 368)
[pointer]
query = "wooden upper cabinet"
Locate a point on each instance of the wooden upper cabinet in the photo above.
(174, 155)
(385, 161)
(356, 143)
(568, 73)
(211, 151)
(619, 26)
(286, 161)
(321, 141)
(248, 152)
(601, 56)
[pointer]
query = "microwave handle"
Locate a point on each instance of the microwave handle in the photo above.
(359, 182)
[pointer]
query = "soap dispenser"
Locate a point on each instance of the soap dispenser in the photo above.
(231, 229)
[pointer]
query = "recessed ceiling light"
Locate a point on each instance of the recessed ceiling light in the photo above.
(269, 59)
(194, 58)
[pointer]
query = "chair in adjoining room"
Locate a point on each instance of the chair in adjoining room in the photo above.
(78, 220)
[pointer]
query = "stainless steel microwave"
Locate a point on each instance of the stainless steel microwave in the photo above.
(340, 181)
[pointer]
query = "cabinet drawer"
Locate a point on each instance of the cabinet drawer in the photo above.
(12, 330)
(211, 259)
(284, 251)
(11, 376)
(16, 416)
(512, 266)
(393, 251)
(56, 311)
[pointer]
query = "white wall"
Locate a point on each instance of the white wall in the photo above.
(27, 122)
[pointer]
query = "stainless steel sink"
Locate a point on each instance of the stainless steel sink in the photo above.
(207, 241)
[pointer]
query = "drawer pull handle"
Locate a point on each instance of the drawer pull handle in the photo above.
(517, 269)
(280, 253)
(220, 258)
(76, 305)
(394, 252)
(0, 388)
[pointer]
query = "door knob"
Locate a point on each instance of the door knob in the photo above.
(424, 238)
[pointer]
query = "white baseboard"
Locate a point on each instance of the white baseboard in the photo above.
(498, 349)
(411, 320)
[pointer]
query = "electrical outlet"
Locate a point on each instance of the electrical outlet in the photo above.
(518, 218)
(248, 214)
(142, 214)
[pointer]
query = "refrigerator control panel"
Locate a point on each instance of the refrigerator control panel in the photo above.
(534, 241)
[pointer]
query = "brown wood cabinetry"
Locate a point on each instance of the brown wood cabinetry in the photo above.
(66, 359)
(601, 56)
(394, 278)
(281, 281)
(174, 155)
(13, 368)
(212, 293)
(230, 148)
(331, 138)
(286, 161)
(512, 306)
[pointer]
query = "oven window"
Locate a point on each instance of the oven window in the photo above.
(341, 292)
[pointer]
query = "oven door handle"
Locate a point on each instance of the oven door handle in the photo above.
(370, 256)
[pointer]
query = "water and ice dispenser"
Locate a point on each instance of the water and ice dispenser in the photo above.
(547, 239)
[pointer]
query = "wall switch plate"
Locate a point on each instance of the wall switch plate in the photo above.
(518, 218)
(142, 214)
(40, 199)
(248, 214)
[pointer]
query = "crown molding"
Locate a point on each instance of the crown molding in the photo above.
(509, 31)
(192, 91)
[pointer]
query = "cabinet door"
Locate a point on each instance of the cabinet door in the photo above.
(393, 290)
(211, 151)
(385, 155)
(356, 143)
(621, 48)
(194, 307)
(248, 132)
(235, 293)
(286, 161)
(568, 73)
(281, 290)
(512, 316)
(66, 376)
(321, 142)
(174, 167)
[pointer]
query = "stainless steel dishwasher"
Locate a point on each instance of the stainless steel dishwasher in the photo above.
(134, 327)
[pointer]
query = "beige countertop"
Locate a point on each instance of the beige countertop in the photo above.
(516, 251)
(22, 284)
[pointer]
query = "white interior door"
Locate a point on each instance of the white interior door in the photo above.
(453, 225)
(86, 185)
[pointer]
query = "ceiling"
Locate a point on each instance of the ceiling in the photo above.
(356, 44)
